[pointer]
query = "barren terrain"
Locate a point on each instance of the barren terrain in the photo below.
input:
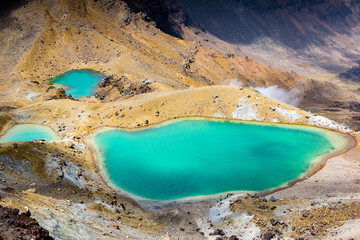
(152, 77)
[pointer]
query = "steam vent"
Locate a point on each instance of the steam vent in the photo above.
(180, 119)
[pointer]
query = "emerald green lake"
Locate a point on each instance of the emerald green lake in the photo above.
(28, 132)
(189, 158)
(78, 83)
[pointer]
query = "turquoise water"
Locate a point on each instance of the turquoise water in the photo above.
(28, 132)
(190, 158)
(78, 83)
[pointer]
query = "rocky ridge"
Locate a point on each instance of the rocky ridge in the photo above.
(20, 226)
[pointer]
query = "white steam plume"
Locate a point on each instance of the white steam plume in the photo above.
(291, 97)
(235, 83)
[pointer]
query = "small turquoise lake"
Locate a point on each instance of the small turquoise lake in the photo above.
(197, 157)
(28, 132)
(78, 83)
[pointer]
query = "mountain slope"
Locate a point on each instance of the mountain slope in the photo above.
(107, 36)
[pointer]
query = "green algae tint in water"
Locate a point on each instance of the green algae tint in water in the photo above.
(200, 157)
(78, 83)
(28, 132)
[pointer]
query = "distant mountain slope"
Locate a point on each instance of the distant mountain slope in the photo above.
(292, 23)
(325, 31)
(323, 34)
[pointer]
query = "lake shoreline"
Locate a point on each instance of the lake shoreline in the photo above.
(19, 128)
(67, 81)
(149, 204)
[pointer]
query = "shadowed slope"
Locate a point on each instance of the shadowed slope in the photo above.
(294, 24)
